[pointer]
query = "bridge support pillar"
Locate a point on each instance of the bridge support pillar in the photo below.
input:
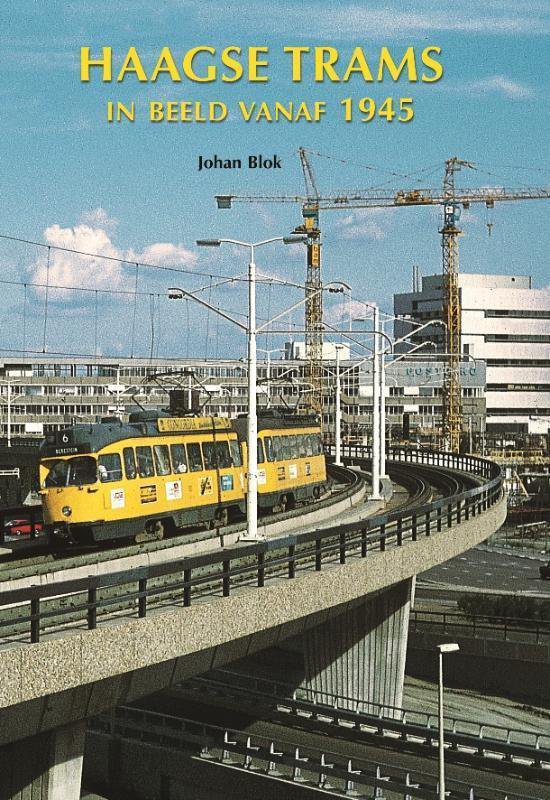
(360, 654)
(47, 766)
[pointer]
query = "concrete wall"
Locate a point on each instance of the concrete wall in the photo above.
(44, 767)
(518, 670)
(361, 653)
(63, 680)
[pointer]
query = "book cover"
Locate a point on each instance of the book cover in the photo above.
(219, 211)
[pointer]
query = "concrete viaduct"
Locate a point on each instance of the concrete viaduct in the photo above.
(352, 615)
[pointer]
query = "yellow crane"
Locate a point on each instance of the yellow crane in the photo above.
(452, 200)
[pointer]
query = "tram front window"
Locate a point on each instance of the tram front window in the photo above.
(78, 471)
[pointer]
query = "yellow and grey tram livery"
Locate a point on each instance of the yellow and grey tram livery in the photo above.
(114, 480)
(157, 473)
(291, 462)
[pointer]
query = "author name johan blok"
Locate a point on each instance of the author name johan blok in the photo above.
(250, 162)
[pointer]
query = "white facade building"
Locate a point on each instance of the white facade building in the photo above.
(506, 323)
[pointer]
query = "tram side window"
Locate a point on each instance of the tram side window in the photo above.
(179, 460)
(145, 462)
(236, 457)
(194, 458)
(261, 457)
(209, 454)
(318, 445)
(162, 459)
(277, 450)
(268, 445)
(310, 443)
(302, 445)
(285, 448)
(109, 468)
(224, 456)
(292, 443)
(129, 463)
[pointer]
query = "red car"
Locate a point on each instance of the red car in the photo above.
(21, 527)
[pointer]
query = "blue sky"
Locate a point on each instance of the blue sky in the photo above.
(133, 190)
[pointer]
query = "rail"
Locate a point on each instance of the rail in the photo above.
(184, 580)
(502, 628)
(282, 760)
(361, 716)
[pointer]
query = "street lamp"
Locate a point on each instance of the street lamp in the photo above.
(251, 331)
(338, 411)
(268, 382)
(452, 647)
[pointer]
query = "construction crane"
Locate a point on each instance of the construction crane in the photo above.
(451, 200)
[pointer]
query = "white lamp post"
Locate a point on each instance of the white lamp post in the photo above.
(252, 362)
(338, 411)
(268, 382)
(442, 648)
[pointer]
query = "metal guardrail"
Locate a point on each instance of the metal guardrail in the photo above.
(283, 761)
(501, 628)
(420, 727)
(217, 573)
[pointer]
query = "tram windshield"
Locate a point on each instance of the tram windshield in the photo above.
(78, 471)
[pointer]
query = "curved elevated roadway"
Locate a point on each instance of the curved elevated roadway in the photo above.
(346, 588)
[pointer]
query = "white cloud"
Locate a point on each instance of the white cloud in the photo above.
(346, 309)
(98, 216)
(499, 84)
(96, 271)
(365, 224)
(167, 254)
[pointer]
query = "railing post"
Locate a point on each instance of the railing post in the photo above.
(187, 587)
(318, 554)
(399, 532)
(459, 512)
(382, 538)
(428, 521)
(92, 607)
(291, 561)
(467, 509)
(35, 620)
(142, 598)
(342, 548)
(414, 528)
(364, 542)
(226, 566)
(449, 515)
(261, 569)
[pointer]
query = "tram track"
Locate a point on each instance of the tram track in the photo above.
(422, 485)
(65, 597)
(344, 484)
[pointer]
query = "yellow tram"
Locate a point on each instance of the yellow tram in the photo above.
(157, 473)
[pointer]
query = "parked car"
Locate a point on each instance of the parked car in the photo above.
(20, 527)
(545, 571)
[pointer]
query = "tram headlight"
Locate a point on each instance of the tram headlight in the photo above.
(66, 511)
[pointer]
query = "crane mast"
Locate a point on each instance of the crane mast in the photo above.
(314, 295)
(452, 391)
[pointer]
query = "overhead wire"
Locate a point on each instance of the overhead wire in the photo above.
(143, 264)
